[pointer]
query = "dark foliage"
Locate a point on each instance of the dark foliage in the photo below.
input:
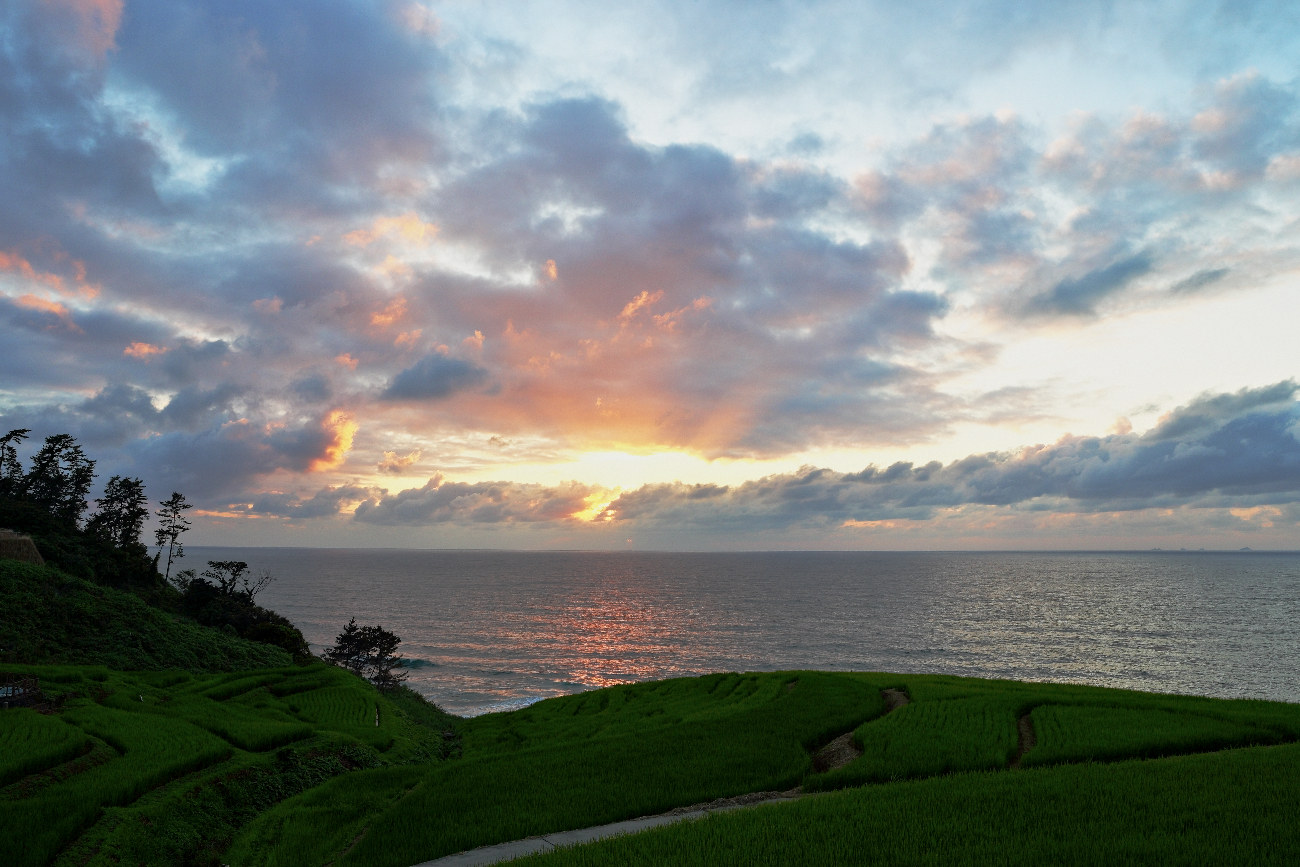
(172, 523)
(232, 578)
(11, 471)
(223, 599)
(121, 514)
(81, 553)
(59, 480)
(52, 617)
(368, 651)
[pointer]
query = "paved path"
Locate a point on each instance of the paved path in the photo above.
(546, 842)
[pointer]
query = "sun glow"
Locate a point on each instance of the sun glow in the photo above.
(596, 505)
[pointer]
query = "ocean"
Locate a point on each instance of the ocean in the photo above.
(493, 630)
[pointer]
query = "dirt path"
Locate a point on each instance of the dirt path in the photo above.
(1027, 739)
(835, 754)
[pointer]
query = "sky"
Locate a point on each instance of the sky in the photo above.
(663, 275)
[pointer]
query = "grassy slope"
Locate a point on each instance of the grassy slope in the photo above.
(166, 767)
(1230, 807)
(1225, 788)
(633, 750)
(267, 764)
(50, 616)
(285, 766)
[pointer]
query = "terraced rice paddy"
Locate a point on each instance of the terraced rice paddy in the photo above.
(288, 766)
(121, 746)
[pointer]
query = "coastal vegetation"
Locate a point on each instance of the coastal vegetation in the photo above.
(177, 722)
(309, 764)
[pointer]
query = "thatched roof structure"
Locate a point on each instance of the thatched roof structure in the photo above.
(14, 546)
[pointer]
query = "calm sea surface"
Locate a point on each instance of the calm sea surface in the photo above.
(492, 630)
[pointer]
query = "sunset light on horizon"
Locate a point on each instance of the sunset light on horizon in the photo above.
(663, 275)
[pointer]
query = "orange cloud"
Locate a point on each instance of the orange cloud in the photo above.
(15, 263)
(1264, 516)
(32, 302)
(408, 338)
(645, 299)
(346, 360)
(394, 463)
(408, 226)
(597, 509)
(551, 271)
(394, 267)
(143, 350)
(268, 305)
(390, 315)
(44, 305)
(669, 321)
(342, 428)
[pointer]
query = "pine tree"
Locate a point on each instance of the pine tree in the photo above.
(168, 534)
(60, 478)
(370, 652)
(122, 512)
(11, 471)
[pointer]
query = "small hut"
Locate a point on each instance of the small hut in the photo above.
(19, 691)
(15, 546)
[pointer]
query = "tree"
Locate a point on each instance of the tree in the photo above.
(231, 578)
(122, 512)
(168, 534)
(11, 471)
(370, 652)
(347, 651)
(60, 478)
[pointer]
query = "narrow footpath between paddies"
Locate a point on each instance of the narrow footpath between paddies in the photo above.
(837, 753)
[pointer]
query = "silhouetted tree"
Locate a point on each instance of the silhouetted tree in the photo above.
(11, 471)
(173, 523)
(347, 651)
(231, 578)
(122, 512)
(60, 478)
(368, 651)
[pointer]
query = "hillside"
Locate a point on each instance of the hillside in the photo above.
(53, 617)
(310, 765)
(161, 736)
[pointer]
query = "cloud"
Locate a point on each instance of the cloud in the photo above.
(440, 501)
(325, 503)
(392, 462)
(1079, 296)
(434, 377)
(1233, 453)
(221, 223)
(1200, 280)
(1222, 451)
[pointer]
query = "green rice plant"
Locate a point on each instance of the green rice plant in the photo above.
(319, 825)
(316, 676)
(551, 767)
(337, 706)
(31, 743)
(152, 750)
(646, 706)
(193, 820)
(241, 682)
(1229, 807)
(166, 679)
(247, 728)
(926, 738)
(1072, 733)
